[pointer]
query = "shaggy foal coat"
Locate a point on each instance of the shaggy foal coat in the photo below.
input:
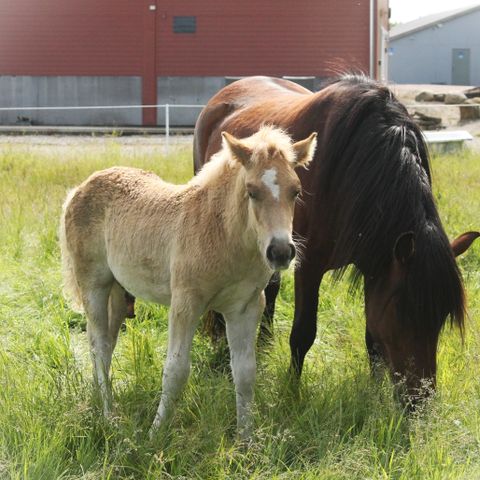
(210, 244)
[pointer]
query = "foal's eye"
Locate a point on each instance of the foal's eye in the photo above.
(296, 193)
(253, 193)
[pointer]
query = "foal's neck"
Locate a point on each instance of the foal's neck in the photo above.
(226, 200)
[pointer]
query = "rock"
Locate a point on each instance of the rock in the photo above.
(468, 114)
(472, 92)
(425, 96)
(426, 122)
(454, 98)
(439, 97)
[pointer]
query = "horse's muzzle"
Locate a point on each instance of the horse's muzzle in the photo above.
(280, 253)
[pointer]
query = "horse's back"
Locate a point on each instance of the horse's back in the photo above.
(251, 90)
(237, 97)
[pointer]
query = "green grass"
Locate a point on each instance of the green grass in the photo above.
(342, 425)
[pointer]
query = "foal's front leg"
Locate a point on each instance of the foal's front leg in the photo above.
(182, 322)
(241, 331)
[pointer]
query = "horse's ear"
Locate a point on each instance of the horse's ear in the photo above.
(237, 148)
(463, 242)
(304, 150)
(404, 248)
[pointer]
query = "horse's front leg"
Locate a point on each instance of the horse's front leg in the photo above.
(304, 329)
(375, 357)
(183, 318)
(241, 331)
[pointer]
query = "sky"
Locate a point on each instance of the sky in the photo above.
(407, 10)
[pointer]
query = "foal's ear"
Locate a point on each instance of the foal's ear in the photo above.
(237, 148)
(304, 150)
(404, 248)
(463, 242)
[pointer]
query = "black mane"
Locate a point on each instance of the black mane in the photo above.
(375, 173)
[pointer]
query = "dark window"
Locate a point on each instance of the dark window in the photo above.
(184, 24)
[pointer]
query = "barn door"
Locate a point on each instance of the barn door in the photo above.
(461, 66)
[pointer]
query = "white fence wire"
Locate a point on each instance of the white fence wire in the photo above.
(166, 106)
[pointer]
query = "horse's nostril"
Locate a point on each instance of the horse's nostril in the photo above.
(280, 253)
(270, 253)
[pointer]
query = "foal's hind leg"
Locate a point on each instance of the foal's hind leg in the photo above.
(95, 302)
(118, 310)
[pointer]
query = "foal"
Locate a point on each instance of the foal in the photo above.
(210, 244)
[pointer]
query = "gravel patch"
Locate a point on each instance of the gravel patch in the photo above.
(72, 144)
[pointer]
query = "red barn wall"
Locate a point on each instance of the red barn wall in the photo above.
(134, 39)
(251, 37)
(71, 37)
(107, 37)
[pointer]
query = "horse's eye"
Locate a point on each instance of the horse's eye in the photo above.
(253, 195)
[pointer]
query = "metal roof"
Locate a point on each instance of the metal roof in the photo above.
(408, 28)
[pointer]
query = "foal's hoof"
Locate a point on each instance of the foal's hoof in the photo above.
(244, 438)
(154, 429)
(152, 432)
(108, 413)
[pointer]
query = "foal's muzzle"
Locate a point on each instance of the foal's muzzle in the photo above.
(280, 253)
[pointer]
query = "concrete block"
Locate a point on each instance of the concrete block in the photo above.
(186, 91)
(26, 91)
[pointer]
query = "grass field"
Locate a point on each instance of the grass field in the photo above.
(343, 425)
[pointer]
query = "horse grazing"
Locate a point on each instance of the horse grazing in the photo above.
(367, 201)
(210, 244)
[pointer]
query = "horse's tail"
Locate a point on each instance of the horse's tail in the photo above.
(71, 291)
(213, 326)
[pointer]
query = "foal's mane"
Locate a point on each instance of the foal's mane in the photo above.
(266, 139)
(374, 170)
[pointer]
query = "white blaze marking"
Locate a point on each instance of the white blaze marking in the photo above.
(269, 178)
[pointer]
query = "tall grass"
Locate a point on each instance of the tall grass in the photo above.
(340, 425)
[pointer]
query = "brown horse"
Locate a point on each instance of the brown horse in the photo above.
(368, 202)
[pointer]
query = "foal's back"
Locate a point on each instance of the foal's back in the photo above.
(120, 220)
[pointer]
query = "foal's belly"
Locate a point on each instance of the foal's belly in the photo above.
(152, 284)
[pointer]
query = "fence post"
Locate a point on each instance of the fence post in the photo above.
(167, 128)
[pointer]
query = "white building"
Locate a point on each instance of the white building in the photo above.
(443, 48)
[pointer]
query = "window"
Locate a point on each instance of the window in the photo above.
(184, 24)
